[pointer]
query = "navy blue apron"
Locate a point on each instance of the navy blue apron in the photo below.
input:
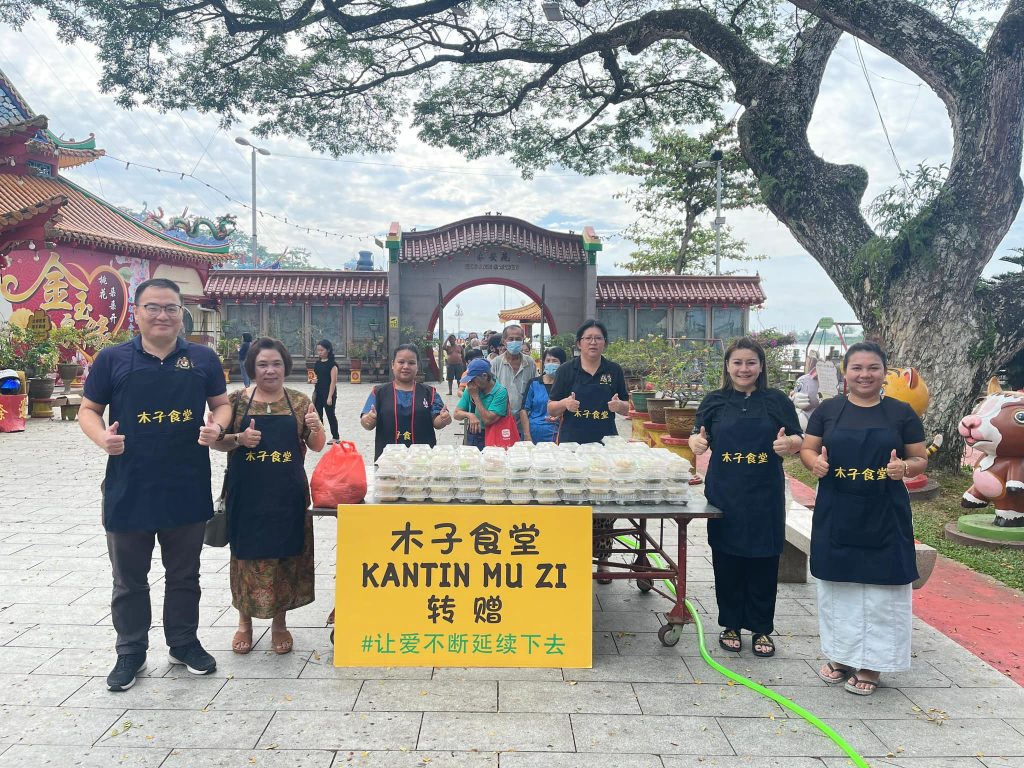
(863, 528)
(266, 498)
(745, 480)
(582, 426)
(162, 480)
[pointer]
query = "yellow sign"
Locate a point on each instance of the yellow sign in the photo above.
(393, 322)
(438, 585)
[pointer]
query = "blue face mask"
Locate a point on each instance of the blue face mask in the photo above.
(551, 368)
(514, 347)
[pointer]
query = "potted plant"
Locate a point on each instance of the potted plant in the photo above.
(14, 344)
(426, 345)
(227, 348)
(357, 352)
(69, 341)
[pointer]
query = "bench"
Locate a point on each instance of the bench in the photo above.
(793, 563)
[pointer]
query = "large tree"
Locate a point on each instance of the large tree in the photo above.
(493, 76)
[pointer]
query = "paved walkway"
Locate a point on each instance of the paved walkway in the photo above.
(641, 706)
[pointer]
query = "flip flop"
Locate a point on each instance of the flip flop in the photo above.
(281, 642)
(846, 671)
(241, 643)
(854, 681)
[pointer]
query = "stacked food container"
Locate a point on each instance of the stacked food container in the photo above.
(616, 472)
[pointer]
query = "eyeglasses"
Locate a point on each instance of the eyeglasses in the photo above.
(154, 310)
(592, 340)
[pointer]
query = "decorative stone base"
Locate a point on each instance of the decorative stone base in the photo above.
(929, 491)
(978, 530)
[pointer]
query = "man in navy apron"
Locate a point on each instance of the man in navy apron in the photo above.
(157, 483)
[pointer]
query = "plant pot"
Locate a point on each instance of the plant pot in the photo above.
(656, 408)
(639, 398)
(68, 372)
(355, 364)
(680, 421)
(634, 383)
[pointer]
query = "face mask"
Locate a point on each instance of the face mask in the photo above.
(514, 347)
(551, 368)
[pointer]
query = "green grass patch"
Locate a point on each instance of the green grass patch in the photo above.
(930, 517)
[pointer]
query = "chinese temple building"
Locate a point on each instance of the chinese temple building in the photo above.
(67, 252)
(429, 268)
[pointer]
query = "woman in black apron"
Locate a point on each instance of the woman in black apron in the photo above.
(861, 446)
(271, 534)
(587, 393)
(403, 411)
(748, 428)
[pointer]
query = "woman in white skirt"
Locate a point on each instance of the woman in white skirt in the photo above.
(861, 446)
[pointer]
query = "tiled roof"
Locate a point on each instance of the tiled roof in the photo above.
(529, 313)
(679, 289)
(13, 108)
(90, 221)
(497, 231)
(26, 127)
(296, 284)
(12, 218)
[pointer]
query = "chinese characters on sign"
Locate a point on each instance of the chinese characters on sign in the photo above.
(586, 414)
(744, 458)
(159, 417)
(882, 473)
(460, 585)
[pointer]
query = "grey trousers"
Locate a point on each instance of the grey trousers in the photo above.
(131, 553)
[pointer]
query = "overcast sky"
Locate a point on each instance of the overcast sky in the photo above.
(425, 187)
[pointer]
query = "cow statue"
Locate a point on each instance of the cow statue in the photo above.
(995, 430)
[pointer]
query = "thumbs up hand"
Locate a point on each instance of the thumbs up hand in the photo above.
(369, 419)
(572, 405)
(618, 406)
(444, 418)
(699, 443)
(113, 443)
(251, 437)
(781, 445)
(210, 432)
(312, 420)
(897, 467)
(820, 467)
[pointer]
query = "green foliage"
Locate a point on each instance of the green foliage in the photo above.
(682, 372)
(14, 346)
(894, 208)
(68, 340)
(227, 348)
(241, 253)
(566, 341)
(774, 343)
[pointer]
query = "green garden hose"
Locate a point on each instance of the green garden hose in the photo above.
(736, 677)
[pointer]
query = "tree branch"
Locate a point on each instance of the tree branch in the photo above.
(909, 34)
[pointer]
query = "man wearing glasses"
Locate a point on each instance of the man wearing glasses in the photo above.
(157, 483)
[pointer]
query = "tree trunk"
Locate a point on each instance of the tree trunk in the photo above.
(684, 246)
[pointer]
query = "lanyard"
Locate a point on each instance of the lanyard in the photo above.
(412, 416)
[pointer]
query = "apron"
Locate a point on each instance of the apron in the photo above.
(403, 430)
(862, 528)
(162, 480)
(266, 498)
(593, 420)
(745, 480)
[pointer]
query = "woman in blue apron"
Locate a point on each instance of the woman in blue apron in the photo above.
(748, 428)
(587, 393)
(403, 411)
(536, 425)
(271, 534)
(862, 537)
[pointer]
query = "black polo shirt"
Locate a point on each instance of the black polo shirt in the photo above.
(571, 375)
(109, 374)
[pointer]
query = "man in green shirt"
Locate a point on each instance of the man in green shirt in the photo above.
(483, 403)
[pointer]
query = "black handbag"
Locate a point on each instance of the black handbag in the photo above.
(217, 526)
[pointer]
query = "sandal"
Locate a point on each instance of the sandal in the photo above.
(281, 641)
(241, 643)
(844, 673)
(854, 681)
(762, 640)
(730, 635)
(603, 569)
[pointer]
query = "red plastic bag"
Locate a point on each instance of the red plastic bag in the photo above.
(339, 477)
(502, 433)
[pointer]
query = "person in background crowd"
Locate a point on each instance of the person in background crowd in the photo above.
(537, 426)
(861, 446)
(403, 411)
(494, 346)
(270, 531)
(453, 361)
(325, 392)
(746, 418)
(514, 370)
(243, 350)
(587, 393)
(157, 484)
(483, 403)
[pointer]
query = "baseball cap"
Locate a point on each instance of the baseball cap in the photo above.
(476, 367)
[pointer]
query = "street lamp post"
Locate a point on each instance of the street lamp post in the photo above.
(265, 152)
(716, 160)
(458, 319)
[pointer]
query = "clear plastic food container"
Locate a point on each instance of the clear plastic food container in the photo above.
(573, 496)
(520, 495)
(494, 497)
(547, 495)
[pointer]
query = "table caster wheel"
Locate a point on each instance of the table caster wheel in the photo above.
(670, 634)
(644, 585)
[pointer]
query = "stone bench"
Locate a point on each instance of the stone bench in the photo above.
(793, 563)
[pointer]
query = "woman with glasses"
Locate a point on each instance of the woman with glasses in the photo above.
(271, 533)
(586, 394)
